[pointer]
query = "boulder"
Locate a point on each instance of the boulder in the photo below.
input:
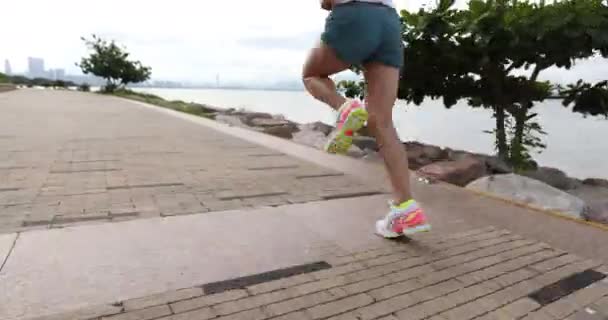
(595, 182)
(230, 120)
(434, 153)
(284, 131)
(495, 165)
(317, 126)
(264, 122)
(598, 211)
(420, 155)
(458, 172)
(530, 191)
(356, 152)
(589, 193)
(205, 108)
(366, 132)
(365, 143)
(373, 156)
(553, 177)
(248, 117)
(315, 139)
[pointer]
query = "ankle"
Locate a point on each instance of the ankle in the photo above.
(399, 203)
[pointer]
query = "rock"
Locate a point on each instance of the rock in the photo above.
(263, 122)
(230, 120)
(229, 111)
(415, 156)
(495, 165)
(365, 143)
(311, 138)
(420, 155)
(365, 132)
(248, 117)
(284, 131)
(595, 182)
(434, 153)
(530, 191)
(553, 177)
(205, 108)
(456, 155)
(356, 152)
(317, 126)
(373, 157)
(458, 172)
(598, 212)
(589, 193)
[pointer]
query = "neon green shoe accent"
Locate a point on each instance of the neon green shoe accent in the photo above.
(342, 139)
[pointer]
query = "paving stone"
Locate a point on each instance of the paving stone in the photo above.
(85, 313)
(204, 301)
(123, 171)
(143, 314)
(340, 306)
(162, 298)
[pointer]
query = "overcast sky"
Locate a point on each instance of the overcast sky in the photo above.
(184, 40)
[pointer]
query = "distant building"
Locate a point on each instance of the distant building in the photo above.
(36, 67)
(59, 74)
(56, 74)
(7, 68)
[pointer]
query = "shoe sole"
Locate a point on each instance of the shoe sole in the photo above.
(340, 142)
(408, 232)
(415, 230)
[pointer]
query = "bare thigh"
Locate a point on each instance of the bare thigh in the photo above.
(323, 62)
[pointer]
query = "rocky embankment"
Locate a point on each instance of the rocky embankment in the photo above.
(545, 187)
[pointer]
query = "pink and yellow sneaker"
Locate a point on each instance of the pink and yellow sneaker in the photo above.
(404, 219)
(351, 118)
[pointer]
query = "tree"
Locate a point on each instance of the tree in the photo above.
(492, 54)
(111, 62)
(587, 99)
(3, 78)
(353, 89)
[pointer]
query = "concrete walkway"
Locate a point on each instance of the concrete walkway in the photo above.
(108, 201)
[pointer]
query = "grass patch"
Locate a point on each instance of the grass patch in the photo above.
(3, 78)
(196, 109)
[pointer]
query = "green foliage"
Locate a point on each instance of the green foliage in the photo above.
(3, 78)
(191, 108)
(587, 99)
(40, 82)
(473, 54)
(85, 87)
(111, 62)
(352, 89)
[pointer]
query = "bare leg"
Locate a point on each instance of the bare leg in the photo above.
(322, 63)
(382, 86)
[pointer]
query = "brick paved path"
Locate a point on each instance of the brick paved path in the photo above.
(69, 158)
(479, 274)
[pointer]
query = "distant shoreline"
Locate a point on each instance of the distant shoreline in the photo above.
(221, 88)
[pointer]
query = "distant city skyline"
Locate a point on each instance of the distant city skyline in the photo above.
(37, 68)
(7, 67)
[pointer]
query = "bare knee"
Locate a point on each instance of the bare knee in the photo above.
(380, 121)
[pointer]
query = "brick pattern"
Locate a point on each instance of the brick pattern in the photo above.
(117, 162)
(487, 275)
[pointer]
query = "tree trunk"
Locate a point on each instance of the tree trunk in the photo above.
(501, 133)
(517, 144)
(517, 156)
